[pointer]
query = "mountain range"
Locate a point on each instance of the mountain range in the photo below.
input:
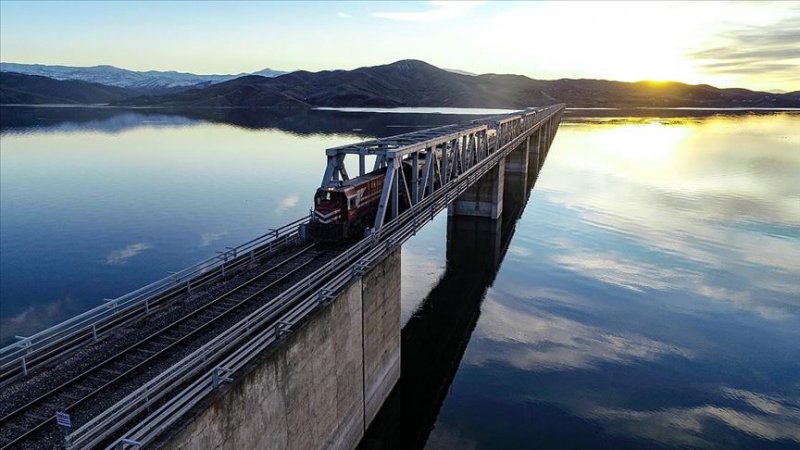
(147, 82)
(403, 83)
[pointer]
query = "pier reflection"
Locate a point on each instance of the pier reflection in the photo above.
(434, 339)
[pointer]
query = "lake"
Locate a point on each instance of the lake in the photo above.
(644, 294)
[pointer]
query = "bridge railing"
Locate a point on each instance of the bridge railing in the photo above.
(54, 342)
(202, 371)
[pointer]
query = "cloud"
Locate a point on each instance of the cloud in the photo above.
(541, 341)
(343, 15)
(36, 317)
(777, 420)
(208, 237)
(756, 49)
(440, 10)
(287, 203)
(614, 269)
(119, 257)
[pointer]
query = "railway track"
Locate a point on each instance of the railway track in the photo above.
(51, 355)
(36, 416)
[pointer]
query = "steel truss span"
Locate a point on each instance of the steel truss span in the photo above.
(451, 158)
(446, 153)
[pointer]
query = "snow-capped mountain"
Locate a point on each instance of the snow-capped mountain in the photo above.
(151, 80)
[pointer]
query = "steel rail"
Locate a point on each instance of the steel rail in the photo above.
(104, 328)
(53, 343)
(300, 300)
(150, 338)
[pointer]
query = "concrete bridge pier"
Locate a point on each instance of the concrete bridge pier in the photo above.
(320, 387)
(535, 159)
(516, 180)
(484, 198)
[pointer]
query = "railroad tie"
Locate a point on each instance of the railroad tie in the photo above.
(36, 417)
(53, 406)
(113, 372)
(96, 379)
(18, 429)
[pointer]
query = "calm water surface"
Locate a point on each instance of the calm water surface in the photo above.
(646, 295)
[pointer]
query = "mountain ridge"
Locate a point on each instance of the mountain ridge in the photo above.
(18, 88)
(147, 82)
(410, 83)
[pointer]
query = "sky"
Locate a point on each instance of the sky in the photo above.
(755, 45)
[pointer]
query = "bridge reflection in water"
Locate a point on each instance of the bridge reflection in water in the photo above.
(435, 337)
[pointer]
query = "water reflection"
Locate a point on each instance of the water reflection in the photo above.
(644, 301)
(647, 297)
(434, 338)
(20, 119)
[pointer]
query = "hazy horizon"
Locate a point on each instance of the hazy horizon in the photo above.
(725, 44)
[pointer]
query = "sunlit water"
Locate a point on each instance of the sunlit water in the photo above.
(648, 296)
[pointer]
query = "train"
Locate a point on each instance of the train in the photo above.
(344, 211)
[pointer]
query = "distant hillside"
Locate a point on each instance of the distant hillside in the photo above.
(416, 83)
(151, 81)
(17, 88)
(403, 83)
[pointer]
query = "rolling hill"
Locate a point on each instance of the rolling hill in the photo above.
(17, 88)
(403, 83)
(146, 82)
(416, 83)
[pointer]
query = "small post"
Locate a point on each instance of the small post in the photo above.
(282, 328)
(112, 304)
(24, 342)
(94, 332)
(221, 375)
(63, 420)
(120, 445)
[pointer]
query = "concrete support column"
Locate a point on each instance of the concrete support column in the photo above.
(534, 155)
(517, 160)
(484, 198)
(547, 132)
(380, 295)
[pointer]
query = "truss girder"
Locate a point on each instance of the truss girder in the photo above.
(421, 162)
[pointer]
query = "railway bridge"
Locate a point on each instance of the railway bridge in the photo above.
(278, 343)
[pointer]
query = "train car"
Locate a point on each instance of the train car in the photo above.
(343, 212)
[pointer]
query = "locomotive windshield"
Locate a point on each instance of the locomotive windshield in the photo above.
(326, 197)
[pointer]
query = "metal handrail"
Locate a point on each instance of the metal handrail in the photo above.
(249, 337)
(18, 354)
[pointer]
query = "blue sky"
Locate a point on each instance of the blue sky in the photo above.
(752, 45)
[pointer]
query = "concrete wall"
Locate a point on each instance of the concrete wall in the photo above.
(484, 198)
(381, 310)
(321, 386)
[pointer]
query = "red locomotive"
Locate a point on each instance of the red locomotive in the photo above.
(345, 211)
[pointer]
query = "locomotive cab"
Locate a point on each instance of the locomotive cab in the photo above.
(343, 211)
(328, 200)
